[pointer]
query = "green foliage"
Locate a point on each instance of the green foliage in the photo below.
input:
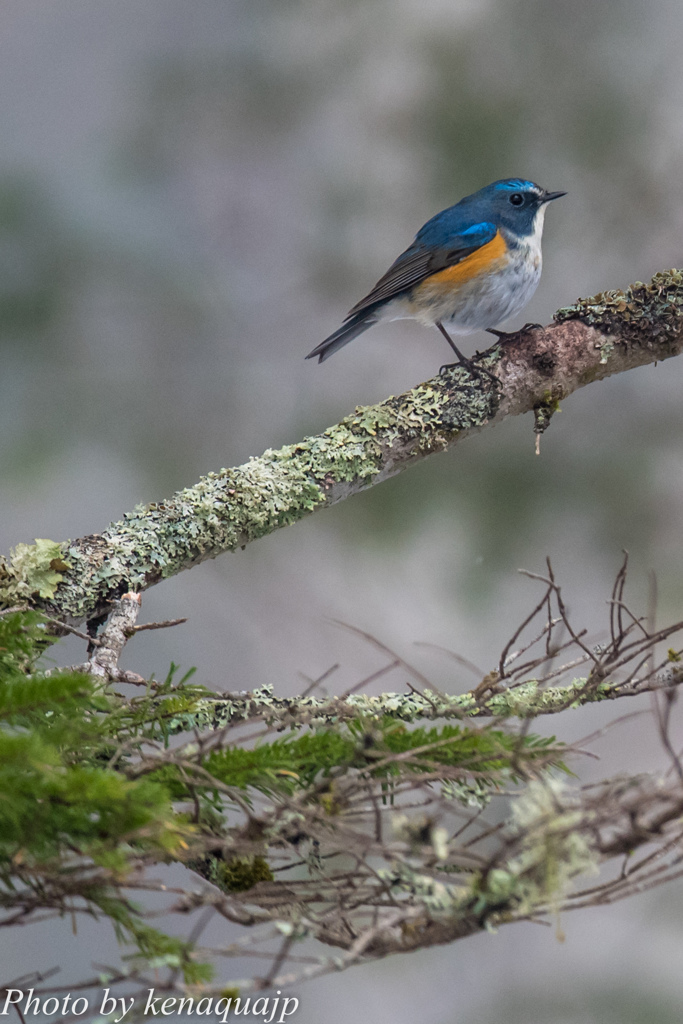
(479, 750)
(69, 824)
(292, 763)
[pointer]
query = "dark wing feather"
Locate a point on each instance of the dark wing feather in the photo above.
(417, 263)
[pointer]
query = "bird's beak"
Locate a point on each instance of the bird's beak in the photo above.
(549, 196)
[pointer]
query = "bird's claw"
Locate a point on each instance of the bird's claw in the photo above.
(476, 371)
(505, 336)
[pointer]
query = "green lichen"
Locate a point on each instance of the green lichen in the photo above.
(642, 313)
(373, 417)
(33, 570)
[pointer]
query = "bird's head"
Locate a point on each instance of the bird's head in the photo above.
(515, 204)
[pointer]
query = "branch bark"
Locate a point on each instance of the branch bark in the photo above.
(609, 333)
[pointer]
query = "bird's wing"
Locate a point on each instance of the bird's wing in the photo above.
(423, 259)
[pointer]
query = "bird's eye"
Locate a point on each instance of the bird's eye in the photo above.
(516, 198)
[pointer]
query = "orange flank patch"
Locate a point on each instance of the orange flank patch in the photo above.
(472, 266)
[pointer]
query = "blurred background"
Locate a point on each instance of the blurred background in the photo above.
(191, 198)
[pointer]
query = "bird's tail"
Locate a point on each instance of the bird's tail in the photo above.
(346, 333)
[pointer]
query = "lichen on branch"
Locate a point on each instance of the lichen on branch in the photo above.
(527, 700)
(224, 511)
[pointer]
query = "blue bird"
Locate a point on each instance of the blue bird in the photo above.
(470, 267)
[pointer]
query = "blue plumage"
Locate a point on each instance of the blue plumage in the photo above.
(454, 227)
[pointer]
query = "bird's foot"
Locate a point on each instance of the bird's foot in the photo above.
(474, 369)
(512, 335)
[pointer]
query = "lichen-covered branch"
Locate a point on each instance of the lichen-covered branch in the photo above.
(597, 337)
(523, 701)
